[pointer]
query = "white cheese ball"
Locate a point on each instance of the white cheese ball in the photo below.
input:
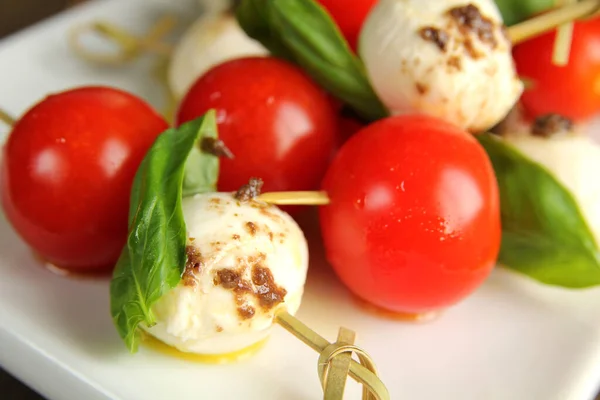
(246, 261)
(215, 5)
(574, 160)
(214, 38)
(421, 59)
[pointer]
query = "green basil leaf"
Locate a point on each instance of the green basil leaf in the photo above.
(301, 31)
(544, 234)
(515, 11)
(254, 17)
(201, 169)
(154, 258)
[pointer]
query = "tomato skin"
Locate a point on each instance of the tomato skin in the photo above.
(67, 171)
(571, 90)
(348, 126)
(349, 16)
(278, 123)
(414, 220)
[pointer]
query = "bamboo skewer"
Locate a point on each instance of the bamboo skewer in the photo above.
(564, 38)
(329, 364)
(312, 198)
(333, 380)
(552, 19)
(6, 118)
(129, 46)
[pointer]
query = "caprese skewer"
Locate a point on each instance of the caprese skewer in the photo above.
(206, 272)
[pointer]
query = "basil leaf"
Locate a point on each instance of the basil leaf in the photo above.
(544, 234)
(515, 11)
(201, 169)
(254, 17)
(302, 32)
(154, 258)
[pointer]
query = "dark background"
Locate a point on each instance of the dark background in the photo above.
(15, 15)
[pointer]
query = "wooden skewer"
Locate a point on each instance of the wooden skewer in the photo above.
(6, 118)
(129, 46)
(564, 37)
(333, 380)
(332, 368)
(309, 198)
(552, 19)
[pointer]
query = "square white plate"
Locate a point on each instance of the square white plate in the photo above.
(514, 339)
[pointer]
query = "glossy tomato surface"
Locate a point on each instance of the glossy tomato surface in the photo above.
(414, 221)
(67, 171)
(572, 90)
(279, 125)
(349, 16)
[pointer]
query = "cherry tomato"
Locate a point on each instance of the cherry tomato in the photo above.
(279, 125)
(572, 90)
(348, 125)
(414, 222)
(67, 171)
(349, 17)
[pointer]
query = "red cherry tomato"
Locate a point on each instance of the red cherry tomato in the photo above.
(67, 171)
(348, 126)
(279, 125)
(414, 221)
(572, 90)
(349, 16)
(348, 123)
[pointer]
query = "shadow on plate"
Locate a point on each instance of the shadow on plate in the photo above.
(72, 311)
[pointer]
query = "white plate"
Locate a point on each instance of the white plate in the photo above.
(514, 339)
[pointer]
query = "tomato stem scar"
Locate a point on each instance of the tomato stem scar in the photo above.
(308, 198)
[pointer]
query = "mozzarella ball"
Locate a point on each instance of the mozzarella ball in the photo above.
(246, 262)
(214, 38)
(574, 160)
(449, 59)
(215, 5)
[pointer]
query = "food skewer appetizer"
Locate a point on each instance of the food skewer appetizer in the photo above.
(471, 31)
(222, 303)
(245, 259)
(210, 272)
(410, 234)
(412, 204)
(473, 27)
(519, 245)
